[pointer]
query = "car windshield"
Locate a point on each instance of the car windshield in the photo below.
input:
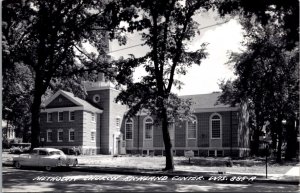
(55, 153)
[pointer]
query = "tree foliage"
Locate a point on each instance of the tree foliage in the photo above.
(268, 78)
(262, 11)
(49, 38)
(17, 90)
(166, 27)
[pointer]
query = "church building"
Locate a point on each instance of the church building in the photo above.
(98, 125)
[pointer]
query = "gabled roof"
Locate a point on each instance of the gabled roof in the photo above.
(78, 101)
(206, 101)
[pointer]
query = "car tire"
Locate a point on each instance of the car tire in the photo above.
(48, 168)
(75, 163)
(18, 165)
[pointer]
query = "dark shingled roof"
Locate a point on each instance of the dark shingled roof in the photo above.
(205, 100)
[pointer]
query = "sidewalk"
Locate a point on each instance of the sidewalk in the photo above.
(291, 177)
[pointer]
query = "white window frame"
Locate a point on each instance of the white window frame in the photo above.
(93, 117)
(144, 127)
(70, 112)
(93, 131)
(215, 152)
(49, 131)
(210, 125)
(59, 131)
(118, 122)
(196, 128)
(71, 130)
(129, 123)
(58, 116)
(49, 116)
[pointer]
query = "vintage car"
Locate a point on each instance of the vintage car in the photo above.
(45, 157)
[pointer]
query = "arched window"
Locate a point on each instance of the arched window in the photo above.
(148, 128)
(215, 124)
(192, 128)
(129, 129)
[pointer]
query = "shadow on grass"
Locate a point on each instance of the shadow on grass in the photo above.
(205, 162)
(226, 162)
(22, 181)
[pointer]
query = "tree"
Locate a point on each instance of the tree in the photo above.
(285, 18)
(262, 11)
(48, 38)
(268, 79)
(166, 27)
(17, 89)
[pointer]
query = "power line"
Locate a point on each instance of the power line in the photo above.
(143, 43)
(125, 48)
(213, 25)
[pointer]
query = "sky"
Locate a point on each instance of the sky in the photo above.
(222, 39)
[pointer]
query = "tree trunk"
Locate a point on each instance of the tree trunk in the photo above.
(35, 112)
(279, 135)
(25, 133)
(255, 144)
(291, 139)
(167, 142)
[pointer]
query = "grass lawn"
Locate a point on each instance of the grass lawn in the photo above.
(197, 164)
(181, 163)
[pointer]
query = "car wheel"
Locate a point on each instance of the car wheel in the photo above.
(75, 163)
(48, 168)
(18, 165)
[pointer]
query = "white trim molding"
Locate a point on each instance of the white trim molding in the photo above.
(77, 108)
(47, 102)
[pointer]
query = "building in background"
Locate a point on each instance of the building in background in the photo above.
(214, 130)
(98, 125)
(8, 130)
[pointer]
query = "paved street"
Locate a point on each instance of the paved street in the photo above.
(37, 180)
